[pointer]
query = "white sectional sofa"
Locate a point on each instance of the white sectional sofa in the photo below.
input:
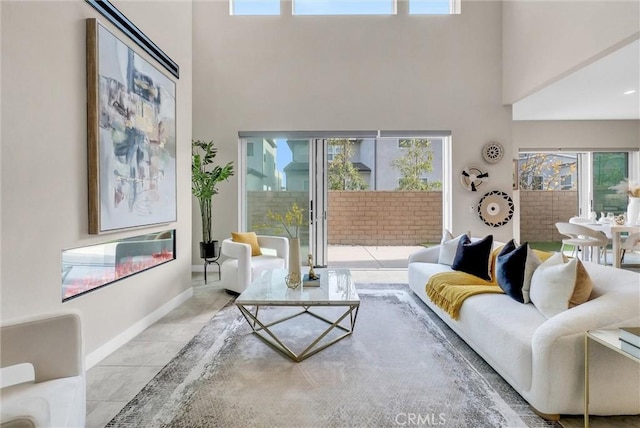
(543, 359)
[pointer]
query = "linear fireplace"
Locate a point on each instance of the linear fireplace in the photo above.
(85, 269)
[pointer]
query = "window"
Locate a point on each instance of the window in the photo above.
(547, 171)
(343, 7)
(609, 168)
(536, 182)
(403, 144)
(424, 180)
(249, 149)
(433, 7)
(569, 184)
(333, 150)
(254, 7)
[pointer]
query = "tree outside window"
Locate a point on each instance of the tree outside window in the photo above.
(342, 174)
(415, 164)
(547, 171)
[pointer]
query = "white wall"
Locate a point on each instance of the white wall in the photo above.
(546, 40)
(324, 73)
(44, 163)
(576, 134)
(0, 155)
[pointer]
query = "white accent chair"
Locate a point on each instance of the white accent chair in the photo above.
(55, 394)
(239, 269)
(632, 243)
(580, 236)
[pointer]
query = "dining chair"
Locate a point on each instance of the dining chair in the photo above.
(631, 243)
(580, 236)
(580, 220)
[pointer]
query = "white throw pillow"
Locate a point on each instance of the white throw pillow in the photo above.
(448, 248)
(552, 285)
(532, 263)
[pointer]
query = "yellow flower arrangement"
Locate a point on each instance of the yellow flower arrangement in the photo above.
(290, 221)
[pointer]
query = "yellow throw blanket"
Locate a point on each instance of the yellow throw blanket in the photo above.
(449, 290)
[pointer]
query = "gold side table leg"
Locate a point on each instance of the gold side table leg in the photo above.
(586, 380)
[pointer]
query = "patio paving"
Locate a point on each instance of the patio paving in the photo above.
(362, 257)
(370, 257)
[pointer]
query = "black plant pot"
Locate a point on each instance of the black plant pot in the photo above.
(209, 250)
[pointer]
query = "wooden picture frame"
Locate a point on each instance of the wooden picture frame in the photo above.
(131, 136)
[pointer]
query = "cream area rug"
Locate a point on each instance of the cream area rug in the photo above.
(401, 367)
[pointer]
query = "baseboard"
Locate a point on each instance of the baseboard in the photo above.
(108, 348)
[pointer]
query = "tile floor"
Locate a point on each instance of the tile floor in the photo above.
(118, 378)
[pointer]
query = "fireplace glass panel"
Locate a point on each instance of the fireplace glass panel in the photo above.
(86, 269)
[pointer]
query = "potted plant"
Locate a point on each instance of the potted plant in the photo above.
(204, 178)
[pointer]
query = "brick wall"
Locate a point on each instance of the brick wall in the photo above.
(360, 218)
(259, 203)
(407, 218)
(540, 210)
(384, 217)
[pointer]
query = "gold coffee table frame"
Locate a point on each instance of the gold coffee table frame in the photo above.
(336, 289)
(264, 332)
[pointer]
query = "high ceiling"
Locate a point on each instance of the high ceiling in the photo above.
(600, 90)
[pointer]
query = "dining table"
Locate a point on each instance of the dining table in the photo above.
(614, 232)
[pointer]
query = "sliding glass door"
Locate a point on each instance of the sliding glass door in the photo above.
(285, 192)
(555, 186)
(609, 169)
(360, 178)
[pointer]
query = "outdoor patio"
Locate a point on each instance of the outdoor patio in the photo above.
(362, 257)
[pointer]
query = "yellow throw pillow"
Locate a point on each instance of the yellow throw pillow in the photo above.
(544, 255)
(584, 286)
(248, 238)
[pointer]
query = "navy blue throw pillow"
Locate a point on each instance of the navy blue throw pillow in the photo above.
(473, 257)
(510, 265)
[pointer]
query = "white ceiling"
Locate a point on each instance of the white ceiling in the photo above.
(594, 92)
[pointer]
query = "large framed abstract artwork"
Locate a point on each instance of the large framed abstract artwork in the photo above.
(131, 132)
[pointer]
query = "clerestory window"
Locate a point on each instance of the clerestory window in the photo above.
(433, 7)
(343, 7)
(254, 7)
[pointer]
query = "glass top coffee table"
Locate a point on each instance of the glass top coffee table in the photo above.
(269, 289)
